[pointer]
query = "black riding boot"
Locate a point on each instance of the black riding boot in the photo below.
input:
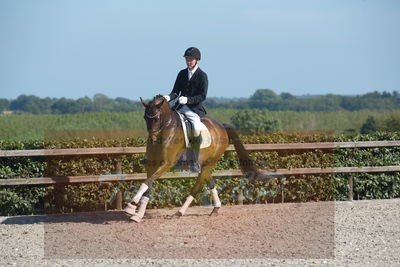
(195, 146)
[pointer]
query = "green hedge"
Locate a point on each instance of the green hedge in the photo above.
(168, 193)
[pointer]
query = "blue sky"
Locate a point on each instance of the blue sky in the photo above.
(129, 48)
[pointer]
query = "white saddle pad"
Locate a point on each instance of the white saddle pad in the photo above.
(205, 135)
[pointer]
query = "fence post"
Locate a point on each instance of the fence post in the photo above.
(118, 197)
(350, 192)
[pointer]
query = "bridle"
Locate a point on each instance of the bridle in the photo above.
(162, 124)
(152, 117)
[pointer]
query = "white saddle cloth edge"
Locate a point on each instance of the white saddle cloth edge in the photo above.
(205, 135)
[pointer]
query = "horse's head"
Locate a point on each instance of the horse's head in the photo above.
(156, 115)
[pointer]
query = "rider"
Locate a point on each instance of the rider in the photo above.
(191, 87)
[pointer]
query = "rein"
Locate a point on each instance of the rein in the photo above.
(152, 117)
(162, 125)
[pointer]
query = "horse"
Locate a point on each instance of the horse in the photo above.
(166, 143)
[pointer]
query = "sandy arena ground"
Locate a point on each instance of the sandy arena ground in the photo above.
(357, 233)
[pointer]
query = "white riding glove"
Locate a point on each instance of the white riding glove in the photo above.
(183, 100)
(167, 98)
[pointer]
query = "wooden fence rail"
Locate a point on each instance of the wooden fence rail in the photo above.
(174, 175)
(141, 150)
(225, 173)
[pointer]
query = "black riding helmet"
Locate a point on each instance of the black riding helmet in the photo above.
(192, 52)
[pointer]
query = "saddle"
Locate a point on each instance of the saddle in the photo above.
(188, 128)
(188, 157)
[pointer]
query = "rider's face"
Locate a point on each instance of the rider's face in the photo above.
(190, 62)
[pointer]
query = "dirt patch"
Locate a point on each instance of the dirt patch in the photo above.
(256, 231)
(359, 232)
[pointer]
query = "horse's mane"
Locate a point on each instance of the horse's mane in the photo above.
(154, 101)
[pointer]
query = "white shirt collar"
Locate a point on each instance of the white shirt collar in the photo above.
(191, 72)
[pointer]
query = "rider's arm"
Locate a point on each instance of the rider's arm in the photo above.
(179, 85)
(201, 92)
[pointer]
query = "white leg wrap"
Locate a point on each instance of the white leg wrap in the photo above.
(142, 209)
(130, 209)
(143, 188)
(215, 198)
(189, 200)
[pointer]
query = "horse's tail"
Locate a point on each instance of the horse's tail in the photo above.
(247, 165)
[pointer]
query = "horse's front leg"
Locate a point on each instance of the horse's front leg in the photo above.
(161, 158)
(130, 209)
(164, 167)
(155, 168)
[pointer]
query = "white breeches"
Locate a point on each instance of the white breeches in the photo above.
(194, 119)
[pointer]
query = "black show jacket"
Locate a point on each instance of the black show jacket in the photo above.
(194, 89)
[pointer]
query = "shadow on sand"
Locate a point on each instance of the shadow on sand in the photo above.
(93, 217)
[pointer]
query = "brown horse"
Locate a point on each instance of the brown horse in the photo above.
(166, 143)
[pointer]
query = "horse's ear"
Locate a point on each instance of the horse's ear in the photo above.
(144, 102)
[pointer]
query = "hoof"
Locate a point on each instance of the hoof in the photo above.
(215, 211)
(135, 218)
(130, 209)
(178, 214)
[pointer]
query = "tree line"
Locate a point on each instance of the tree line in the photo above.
(264, 99)
(269, 100)
(99, 103)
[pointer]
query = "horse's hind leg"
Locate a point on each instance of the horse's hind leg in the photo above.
(215, 199)
(204, 176)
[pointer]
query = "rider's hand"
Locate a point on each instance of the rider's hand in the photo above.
(183, 100)
(167, 98)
